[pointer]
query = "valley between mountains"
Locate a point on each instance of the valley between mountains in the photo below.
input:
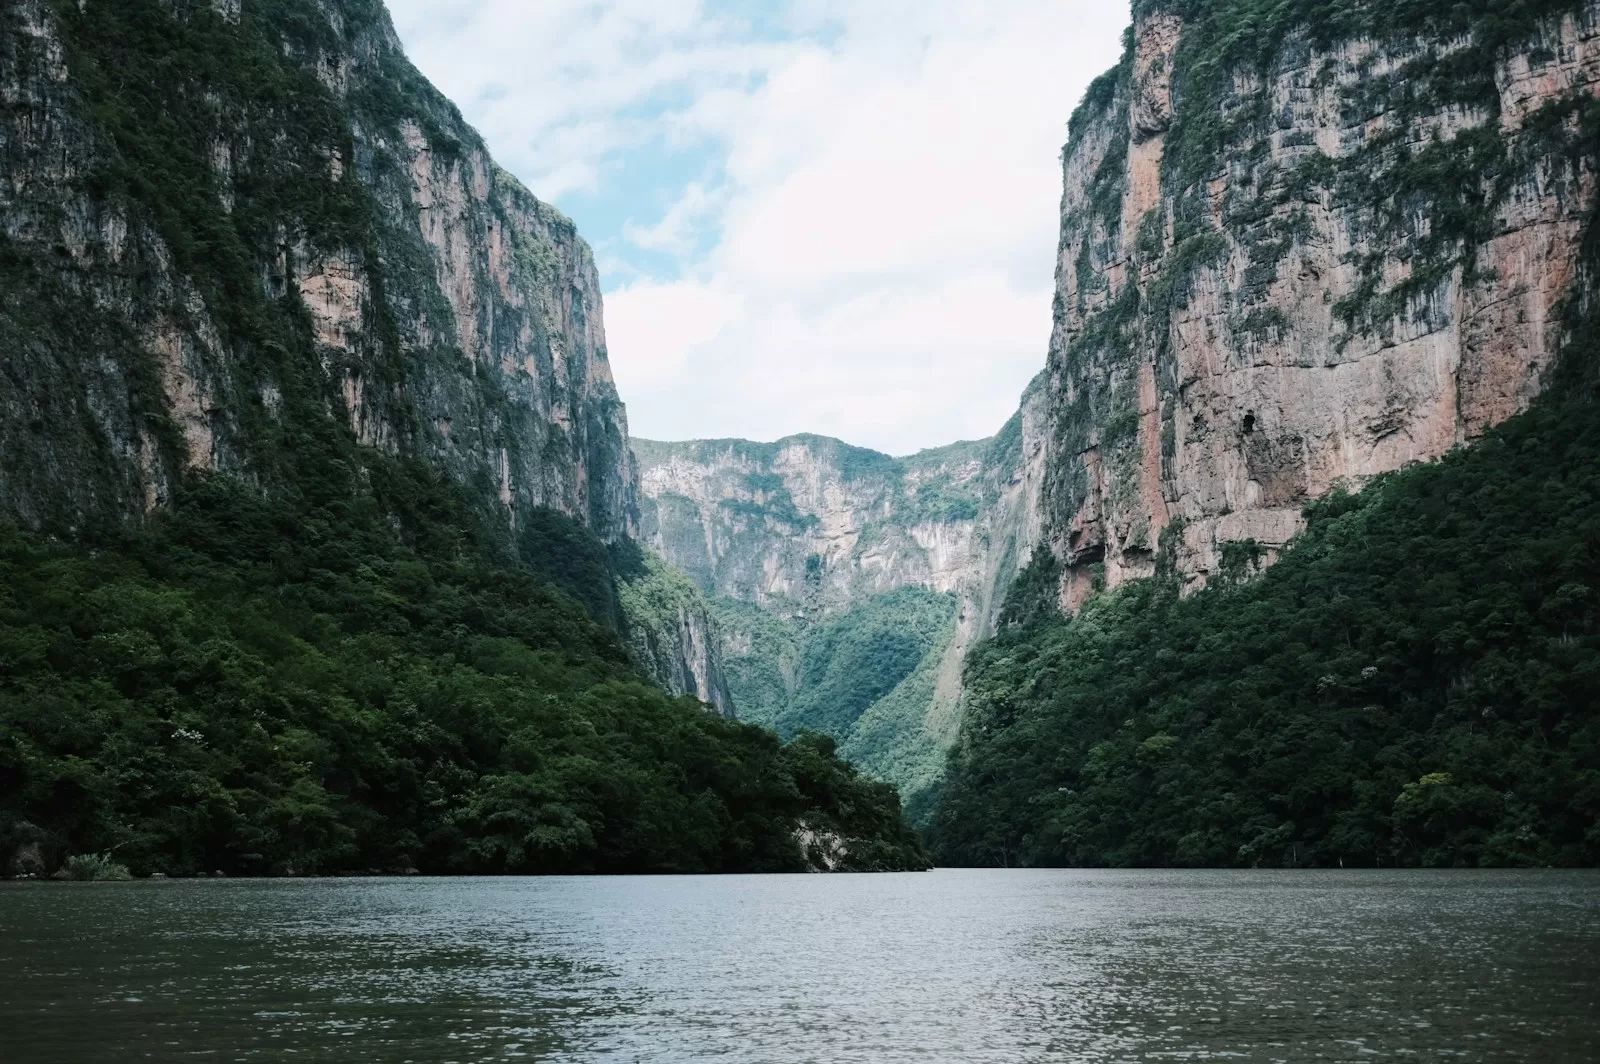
(326, 546)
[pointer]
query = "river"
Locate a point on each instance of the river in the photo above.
(983, 966)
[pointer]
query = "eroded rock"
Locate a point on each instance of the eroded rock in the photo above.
(1238, 335)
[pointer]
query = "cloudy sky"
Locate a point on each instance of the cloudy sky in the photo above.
(832, 216)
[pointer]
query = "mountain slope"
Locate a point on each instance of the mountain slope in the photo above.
(297, 184)
(1414, 682)
(247, 686)
(1327, 255)
(848, 584)
(320, 490)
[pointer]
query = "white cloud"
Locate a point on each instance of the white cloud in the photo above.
(556, 86)
(898, 367)
(880, 184)
(679, 230)
(663, 325)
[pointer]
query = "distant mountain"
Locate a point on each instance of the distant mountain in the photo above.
(848, 584)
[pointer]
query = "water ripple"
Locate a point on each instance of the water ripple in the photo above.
(995, 966)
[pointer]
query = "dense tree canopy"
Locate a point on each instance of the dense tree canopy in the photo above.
(252, 686)
(1417, 681)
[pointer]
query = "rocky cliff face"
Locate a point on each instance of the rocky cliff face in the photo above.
(170, 237)
(675, 633)
(803, 540)
(227, 228)
(1294, 258)
(809, 525)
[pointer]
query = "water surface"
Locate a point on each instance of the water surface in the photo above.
(984, 966)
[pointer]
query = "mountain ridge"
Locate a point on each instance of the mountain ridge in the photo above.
(820, 556)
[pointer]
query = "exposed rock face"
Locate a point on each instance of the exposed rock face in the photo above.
(457, 319)
(825, 851)
(809, 529)
(810, 525)
(25, 850)
(305, 238)
(1366, 273)
(675, 634)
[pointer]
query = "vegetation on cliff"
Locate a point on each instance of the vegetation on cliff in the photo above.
(328, 656)
(1414, 682)
(261, 687)
(1236, 30)
(863, 676)
(671, 627)
(1449, 55)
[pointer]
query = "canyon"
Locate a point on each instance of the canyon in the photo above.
(848, 585)
(1240, 328)
(1300, 250)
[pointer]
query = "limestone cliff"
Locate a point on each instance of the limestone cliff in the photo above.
(807, 544)
(226, 228)
(1300, 248)
(675, 633)
(167, 237)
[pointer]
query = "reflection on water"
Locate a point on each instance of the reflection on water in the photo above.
(950, 966)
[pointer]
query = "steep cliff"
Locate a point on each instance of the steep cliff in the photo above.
(305, 420)
(1325, 301)
(171, 241)
(674, 630)
(849, 585)
(299, 234)
(1302, 245)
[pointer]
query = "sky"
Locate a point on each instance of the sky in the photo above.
(829, 216)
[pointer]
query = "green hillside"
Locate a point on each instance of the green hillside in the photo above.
(339, 652)
(254, 686)
(864, 676)
(1414, 682)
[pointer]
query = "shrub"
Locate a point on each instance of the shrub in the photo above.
(95, 867)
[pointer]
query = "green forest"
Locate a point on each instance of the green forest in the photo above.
(864, 676)
(331, 657)
(1415, 682)
(251, 687)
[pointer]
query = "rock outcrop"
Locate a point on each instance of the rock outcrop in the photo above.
(809, 530)
(1291, 268)
(675, 633)
(298, 238)
(149, 228)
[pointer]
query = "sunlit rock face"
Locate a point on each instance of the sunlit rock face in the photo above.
(1313, 269)
(808, 529)
(456, 319)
